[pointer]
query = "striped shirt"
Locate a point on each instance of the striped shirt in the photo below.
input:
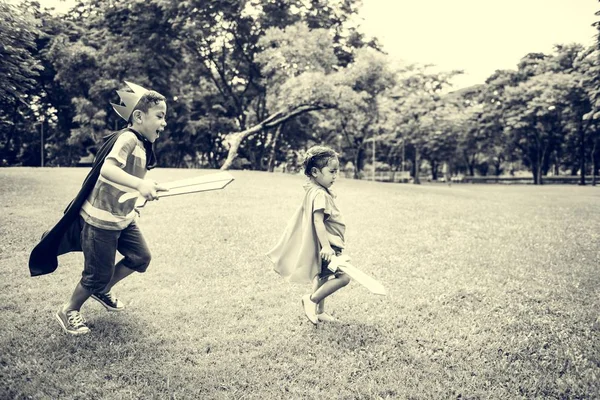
(102, 208)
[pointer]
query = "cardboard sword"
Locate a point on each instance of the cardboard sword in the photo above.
(342, 263)
(197, 184)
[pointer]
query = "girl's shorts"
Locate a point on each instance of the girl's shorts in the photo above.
(326, 272)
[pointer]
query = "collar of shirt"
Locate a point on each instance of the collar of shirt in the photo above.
(310, 184)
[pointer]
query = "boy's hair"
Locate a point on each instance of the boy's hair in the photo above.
(317, 157)
(147, 101)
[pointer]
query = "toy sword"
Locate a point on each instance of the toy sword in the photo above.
(342, 263)
(202, 183)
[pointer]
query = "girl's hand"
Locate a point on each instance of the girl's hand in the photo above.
(327, 253)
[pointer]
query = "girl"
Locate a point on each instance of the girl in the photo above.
(314, 235)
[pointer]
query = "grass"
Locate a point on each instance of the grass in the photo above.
(493, 294)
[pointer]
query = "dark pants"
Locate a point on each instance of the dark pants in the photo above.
(100, 248)
(326, 272)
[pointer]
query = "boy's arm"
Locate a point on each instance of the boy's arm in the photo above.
(326, 250)
(113, 172)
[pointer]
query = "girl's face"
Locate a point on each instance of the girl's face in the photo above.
(327, 175)
(153, 122)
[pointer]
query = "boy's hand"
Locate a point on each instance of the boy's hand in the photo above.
(327, 253)
(148, 189)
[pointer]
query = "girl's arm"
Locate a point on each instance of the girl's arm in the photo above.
(147, 188)
(326, 250)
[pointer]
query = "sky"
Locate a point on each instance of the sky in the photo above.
(476, 36)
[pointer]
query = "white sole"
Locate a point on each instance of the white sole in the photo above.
(111, 309)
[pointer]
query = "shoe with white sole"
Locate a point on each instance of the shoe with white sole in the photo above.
(310, 309)
(72, 322)
(109, 301)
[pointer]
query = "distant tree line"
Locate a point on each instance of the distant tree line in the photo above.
(251, 84)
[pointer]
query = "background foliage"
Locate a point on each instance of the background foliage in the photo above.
(251, 84)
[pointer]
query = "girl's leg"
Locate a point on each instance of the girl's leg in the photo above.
(317, 283)
(329, 287)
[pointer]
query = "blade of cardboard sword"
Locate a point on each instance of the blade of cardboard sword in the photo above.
(343, 264)
(189, 185)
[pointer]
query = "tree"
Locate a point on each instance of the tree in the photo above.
(442, 127)
(356, 117)
(537, 112)
(417, 96)
(18, 70)
(201, 55)
(18, 66)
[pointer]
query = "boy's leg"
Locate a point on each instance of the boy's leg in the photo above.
(136, 257)
(99, 248)
(121, 272)
(136, 254)
(79, 296)
(68, 315)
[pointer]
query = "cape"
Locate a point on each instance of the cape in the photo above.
(65, 236)
(296, 257)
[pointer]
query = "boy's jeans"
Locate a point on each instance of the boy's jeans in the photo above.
(100, 248)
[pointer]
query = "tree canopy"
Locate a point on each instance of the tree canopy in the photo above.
(251, 83)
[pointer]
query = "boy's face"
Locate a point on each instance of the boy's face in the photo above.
(153, 122)
(327, 175)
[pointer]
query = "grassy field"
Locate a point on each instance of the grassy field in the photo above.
(493, 294)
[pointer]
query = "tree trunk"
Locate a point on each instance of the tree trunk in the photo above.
(540, 166)
(470, 164)
(582, 154)
(594, 165)
(358, 162)
(416, 179)
(236, 139)
(534, 159)
(448, 172)
(273, 151)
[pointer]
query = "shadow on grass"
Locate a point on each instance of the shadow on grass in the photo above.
(113, 337)
(349, 335)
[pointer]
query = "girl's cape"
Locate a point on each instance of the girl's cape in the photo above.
(64, 237)
(297, 254)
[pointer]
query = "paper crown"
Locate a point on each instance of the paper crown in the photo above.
(130, 99)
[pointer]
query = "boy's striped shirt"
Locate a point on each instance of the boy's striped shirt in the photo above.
(102, 208)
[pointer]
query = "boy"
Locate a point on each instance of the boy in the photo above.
(105, 225)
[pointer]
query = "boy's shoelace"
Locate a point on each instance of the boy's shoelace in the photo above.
(75, 319)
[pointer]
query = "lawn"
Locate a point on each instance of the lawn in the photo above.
(493, 294)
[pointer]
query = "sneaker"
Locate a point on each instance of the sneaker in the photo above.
(325, 317)
(310, 308)
(72, 322)
(109, 301)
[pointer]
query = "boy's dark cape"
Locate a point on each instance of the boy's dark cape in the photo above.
(65, 236)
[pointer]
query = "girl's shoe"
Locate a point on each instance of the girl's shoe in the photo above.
(325, 317)
(310, 309)
(72, 322)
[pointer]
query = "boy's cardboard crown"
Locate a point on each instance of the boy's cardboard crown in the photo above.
(129, 99)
